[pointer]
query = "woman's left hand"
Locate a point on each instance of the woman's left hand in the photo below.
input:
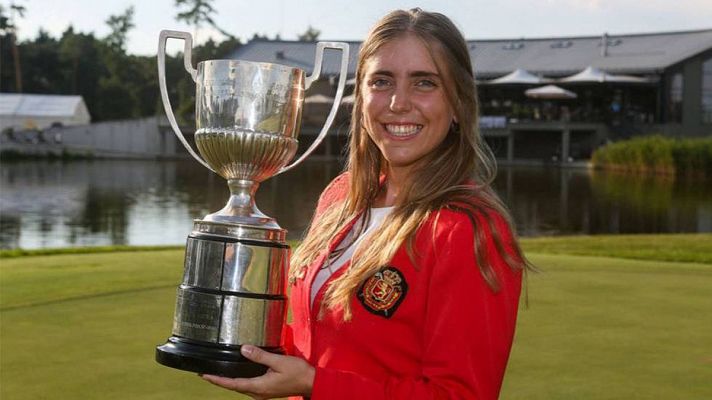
(286, 376)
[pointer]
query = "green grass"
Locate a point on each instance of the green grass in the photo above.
(39, 280)
(610, 328)
(84, 326)
(680, 247)
(79, 250)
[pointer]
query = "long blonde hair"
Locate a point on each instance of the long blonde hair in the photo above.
(442, 179)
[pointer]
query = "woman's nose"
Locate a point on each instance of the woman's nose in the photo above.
(400, 100)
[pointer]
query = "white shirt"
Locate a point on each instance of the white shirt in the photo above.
(377, 217)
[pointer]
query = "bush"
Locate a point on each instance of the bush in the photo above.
(657, 154)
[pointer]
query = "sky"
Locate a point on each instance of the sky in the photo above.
(351, 19)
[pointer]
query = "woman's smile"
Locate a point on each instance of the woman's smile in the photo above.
(403, 131)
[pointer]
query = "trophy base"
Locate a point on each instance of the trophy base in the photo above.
(218, 360)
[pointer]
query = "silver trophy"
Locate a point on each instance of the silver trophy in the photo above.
(248, 116)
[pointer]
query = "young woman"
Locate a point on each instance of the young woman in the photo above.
(408, 281)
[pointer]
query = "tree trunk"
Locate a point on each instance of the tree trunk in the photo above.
(18, 70)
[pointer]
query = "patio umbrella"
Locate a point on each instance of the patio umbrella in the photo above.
(550, 92)
(518, 76)
(348, 99)
(319, 99)
(593, 74)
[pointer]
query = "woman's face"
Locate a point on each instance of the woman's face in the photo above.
(405, 109)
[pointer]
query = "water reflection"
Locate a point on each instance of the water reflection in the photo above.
(87, 203)
(569, 201)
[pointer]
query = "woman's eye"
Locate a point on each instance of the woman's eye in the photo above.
(379, 83)
(425, 83)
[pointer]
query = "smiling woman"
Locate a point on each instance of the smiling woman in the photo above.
(408, 281)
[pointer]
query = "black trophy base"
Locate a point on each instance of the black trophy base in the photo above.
(211, 360)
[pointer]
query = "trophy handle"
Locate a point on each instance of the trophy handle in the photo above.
(344, 47)
(187, 55)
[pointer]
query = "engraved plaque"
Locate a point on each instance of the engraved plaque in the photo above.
(197, 315)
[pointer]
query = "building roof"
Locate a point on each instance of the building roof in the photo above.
(39, 105)
(648, 53)
(296, 54)
(631, 54)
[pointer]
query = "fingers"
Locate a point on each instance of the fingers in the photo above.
(227, 383)
(286, 376)
(242, 385)
(260, 356)
(247, 385)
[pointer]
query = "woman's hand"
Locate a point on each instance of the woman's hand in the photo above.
(286, 376)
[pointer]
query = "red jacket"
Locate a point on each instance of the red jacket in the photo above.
(436, 332)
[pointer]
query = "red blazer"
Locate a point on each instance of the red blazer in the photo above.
(436, 332)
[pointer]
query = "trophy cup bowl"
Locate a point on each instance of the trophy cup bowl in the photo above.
(233, 293)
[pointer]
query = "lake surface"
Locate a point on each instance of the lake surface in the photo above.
(47, 204)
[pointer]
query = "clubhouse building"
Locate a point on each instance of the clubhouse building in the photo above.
(551, 100)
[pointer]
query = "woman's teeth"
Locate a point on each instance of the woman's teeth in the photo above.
(403, 130)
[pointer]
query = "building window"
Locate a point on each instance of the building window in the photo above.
(707, 92)
(675, 96)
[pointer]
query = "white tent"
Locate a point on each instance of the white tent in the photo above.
(550, 92)
(518, 76)
(39, 111)
(593, 74)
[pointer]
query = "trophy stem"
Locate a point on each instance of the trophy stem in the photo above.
(242, 197)
(240, 208)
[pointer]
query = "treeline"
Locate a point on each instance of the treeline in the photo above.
(657, 154)
(114, 84)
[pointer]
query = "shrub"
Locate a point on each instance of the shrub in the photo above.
(657, 154)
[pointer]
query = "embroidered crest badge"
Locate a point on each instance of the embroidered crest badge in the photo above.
(382, 293)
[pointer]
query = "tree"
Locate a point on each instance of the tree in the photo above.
(116, 99)
(42, 68)
(257, 36)
(82, 61)
(6, 77)
(119, 25)
(114, 85)
(198, 12)
(8, 29)
(311, 35)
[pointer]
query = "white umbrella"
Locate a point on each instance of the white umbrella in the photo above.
(518, 76)
(319, 99)
(550, 92)
(593, 74)
(348, 99)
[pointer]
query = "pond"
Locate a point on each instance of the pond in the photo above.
(46, 204)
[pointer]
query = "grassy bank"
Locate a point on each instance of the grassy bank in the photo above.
(84, 326)
(657, 154)
(693, 247)
(80, 250)
(680, 247)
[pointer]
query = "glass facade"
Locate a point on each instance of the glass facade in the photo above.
(707, 92)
